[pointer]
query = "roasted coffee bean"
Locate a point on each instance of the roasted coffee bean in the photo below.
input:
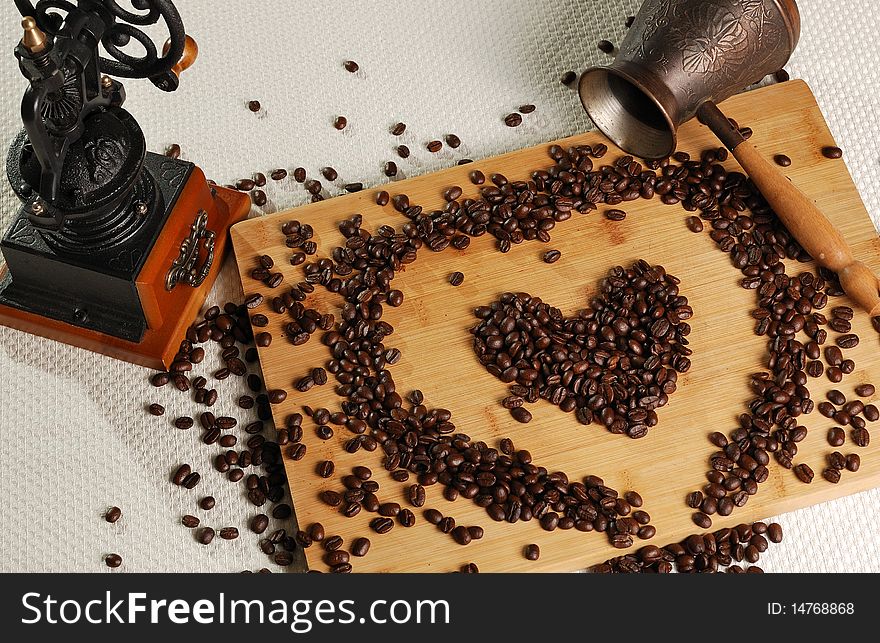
(831, 475)
(173, 151)
(351, 67)
(184, 422)
(861, 437)
(207, 503)
(254, 105)
(526, 109)
(513, 120)
(316, 532)
(836, 397)
(206, 535)
(461, 535)
(382, 198)
(259, 523)
(190, 521)
(156, 409)
(774, 532)
(694, 224)
(552, 256)
(832, 152)
(113, 514)
(277, 396)
(872, 413)
(283, 558)
(521, 414)
(381, 525)
(477, 177)
(181, 474)
(847, 341)
(456, 278)
(340, 122)
(834, 374)
(804, 473)
(403, 151)
(865, 390)
(702, 520)
(229, 533)
(782, 160)
(389, 509)
(406, 518)
(452, 141)
(433, 516)
(278, 174)
(836, 436)
(568, 77)
(113, 560)
(417, 495)
(434, 146)
(853, 462)
(360, 547)
(337, 557)
(615, 215)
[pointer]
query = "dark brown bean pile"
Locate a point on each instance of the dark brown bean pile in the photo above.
(721, 551)
(421, 441)
(614, 363)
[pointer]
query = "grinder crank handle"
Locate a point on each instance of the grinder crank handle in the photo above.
(187, 58)
(812, 229)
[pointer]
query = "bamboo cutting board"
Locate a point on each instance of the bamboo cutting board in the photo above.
(431, 330)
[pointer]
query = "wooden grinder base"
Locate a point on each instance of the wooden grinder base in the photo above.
(176, 308)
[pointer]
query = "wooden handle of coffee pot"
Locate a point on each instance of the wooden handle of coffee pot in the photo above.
(812, 229)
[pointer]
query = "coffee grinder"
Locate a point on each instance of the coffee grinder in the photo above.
(114, 248)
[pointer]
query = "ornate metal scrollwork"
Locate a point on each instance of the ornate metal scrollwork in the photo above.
(184, 268)
(122, 26)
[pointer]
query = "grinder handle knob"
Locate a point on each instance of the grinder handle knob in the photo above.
(187, 58)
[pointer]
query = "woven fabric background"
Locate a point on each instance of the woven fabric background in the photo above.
(74, 438)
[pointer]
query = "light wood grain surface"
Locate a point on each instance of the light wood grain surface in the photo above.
(431, 330)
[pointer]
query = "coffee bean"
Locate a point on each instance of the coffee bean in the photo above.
(872, 414)
(532, 552)
(513, 120)
(836, 397)
(207, 503)
(804, 473)
(184, 422)
(834, 374)
(113, 514)
(254, 105)
(568, 77)
(360, 547)
(865, 390)
(351, 66)
(836, 436)
(173, 151)
(521, 414)
(180, 475)
(417, 495)
(477, 177)
(847, 341)
(190, 521)
(456, 278)
(406, 517)
(277, 396)
(853, 462)
(831, 475)
(452, 141)
(605, 46)
(526, 109)
(316, 533)
(782, 160)
(861, 437)
(338, 557)
(259, 523)
(552, 256)
(229, 533)
(702, 520)
(403, 151)
(382, 198)
(340, 122)
(156, 409)
(694, 224)
(434, 146)
(278, 174)
(283, 558)
(381, 525)
(206, 535)
(398, 129)
(113, 560)
(832, 152)
(615, 215)
(461, 535)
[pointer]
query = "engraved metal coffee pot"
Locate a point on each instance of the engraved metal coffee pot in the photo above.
(680, 59)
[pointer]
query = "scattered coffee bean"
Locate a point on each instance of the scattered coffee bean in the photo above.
(513, 120)
(434, 146)
(804, 473)
(207, 503)
(568, 77)
(403, 151)
(836, 436)
(340, 122)
(532, 552)
(113, 514)
(605, 47)
(456, 278)
(552, 256)
(360, 547)
(113, 560)
(832, 152)
(254, 105)
(782, 160)
(156, 409)
(615, 215)
(190, 521)
(206, 535)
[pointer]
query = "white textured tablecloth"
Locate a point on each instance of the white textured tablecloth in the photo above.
(74, 438)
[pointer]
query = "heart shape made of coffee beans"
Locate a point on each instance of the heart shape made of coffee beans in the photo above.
(614, 362)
